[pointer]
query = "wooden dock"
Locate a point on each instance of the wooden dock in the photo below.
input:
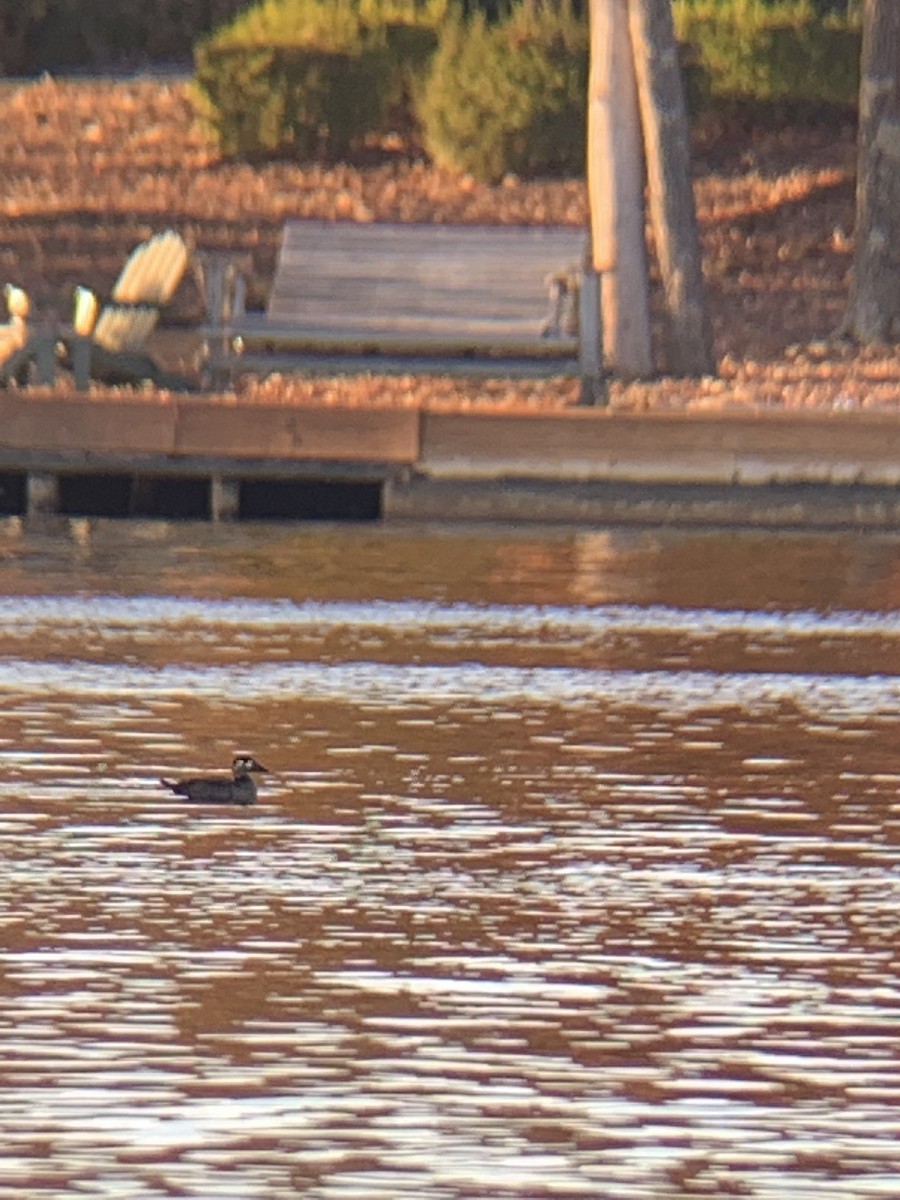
(136, 456)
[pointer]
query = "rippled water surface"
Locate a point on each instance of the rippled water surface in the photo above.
(576, 873)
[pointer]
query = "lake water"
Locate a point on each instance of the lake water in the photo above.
(576, 874)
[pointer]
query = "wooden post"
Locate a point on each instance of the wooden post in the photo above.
(41, 493)
(224, 498)
(873, 311)
(141, 496)
(81, 362)
(616, 192)
(222, 276)
(594, 391)
(673, 215)
(44, 342)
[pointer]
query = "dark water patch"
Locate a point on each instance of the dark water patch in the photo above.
(310, 500)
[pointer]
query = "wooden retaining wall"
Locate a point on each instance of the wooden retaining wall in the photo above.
(185, 427)
(575, 465)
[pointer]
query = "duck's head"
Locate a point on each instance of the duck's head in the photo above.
(243, 764)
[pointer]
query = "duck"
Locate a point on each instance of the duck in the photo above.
(240, 789)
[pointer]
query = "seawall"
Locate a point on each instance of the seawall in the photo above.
(815, 469)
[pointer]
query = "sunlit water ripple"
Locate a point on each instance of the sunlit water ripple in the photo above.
(540, 899)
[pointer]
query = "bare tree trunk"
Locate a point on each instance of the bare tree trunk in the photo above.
(673, 215)
(616, 192)
(873, 312)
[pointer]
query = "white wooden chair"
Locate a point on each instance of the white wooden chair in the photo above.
(14, 333)
(21, 345)
(104, 341)
(117, 331)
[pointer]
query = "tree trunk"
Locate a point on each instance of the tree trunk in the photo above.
(616, 192)
(673, 215)
(873, 312)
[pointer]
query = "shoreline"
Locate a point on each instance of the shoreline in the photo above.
(87, 178)
(579, 466)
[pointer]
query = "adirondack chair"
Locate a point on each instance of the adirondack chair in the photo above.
(28, 345)
(107, 341)
(14, 334)
(104, 343)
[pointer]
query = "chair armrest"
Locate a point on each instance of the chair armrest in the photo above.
(222, 278)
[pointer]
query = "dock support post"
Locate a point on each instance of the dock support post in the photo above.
(594, 389)
(41, 494)
(141, 495)
(81, 362)
(224, 498)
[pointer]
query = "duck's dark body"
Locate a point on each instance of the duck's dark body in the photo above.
(240, 789)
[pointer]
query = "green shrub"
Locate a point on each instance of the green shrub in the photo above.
(304, 77)
(509, 96)
(773, 51)
(263, 101)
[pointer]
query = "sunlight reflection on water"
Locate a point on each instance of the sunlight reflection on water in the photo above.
(539, 900)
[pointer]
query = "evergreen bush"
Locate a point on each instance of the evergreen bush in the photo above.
(310, 77)
(509, 96)
(770, 51)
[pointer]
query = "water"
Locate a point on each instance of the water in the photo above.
(576, 875)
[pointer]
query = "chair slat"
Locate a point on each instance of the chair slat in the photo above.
(153, 271)
(124, 328)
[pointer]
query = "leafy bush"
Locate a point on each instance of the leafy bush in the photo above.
(303, 77)
(508, 96)
(770, 50)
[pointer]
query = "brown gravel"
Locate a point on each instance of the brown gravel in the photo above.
(91, 168)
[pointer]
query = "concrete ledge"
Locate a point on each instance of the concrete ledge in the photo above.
(606, 502)
(663, 447)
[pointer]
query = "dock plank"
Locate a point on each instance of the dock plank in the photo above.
(283, 432)
(81, 425)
